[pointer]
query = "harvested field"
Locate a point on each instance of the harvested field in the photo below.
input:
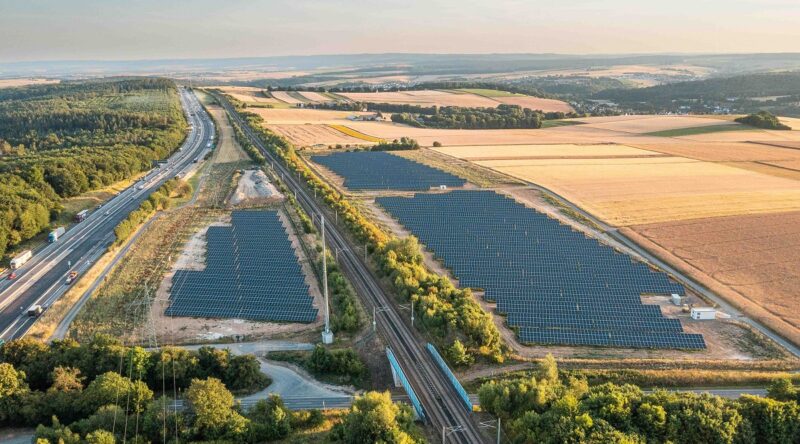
(248, 94)
(12, 83)
(755, 135)
(424, 98)
(284, 96)
(357, 134)
(299, 116)
(309, 135)
(723, 151)
(754, 258)
(499, 152)
(314, 96)
(649, 190)
(649, 123)
(451, 137)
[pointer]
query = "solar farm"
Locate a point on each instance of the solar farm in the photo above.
(251, 273)
(378, 170)
(557, 286)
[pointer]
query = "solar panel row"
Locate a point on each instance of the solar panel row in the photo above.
(251, 273)
(378, 170)
(556, 285)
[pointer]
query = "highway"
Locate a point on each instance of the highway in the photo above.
(42, 280)
(440, 402)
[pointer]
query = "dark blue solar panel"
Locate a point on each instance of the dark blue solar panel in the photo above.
(251, 273)
(556, 285)
(378, 170)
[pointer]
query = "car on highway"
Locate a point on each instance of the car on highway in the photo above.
(108, 212)
(12, 276)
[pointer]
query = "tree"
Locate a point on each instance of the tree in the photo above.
(782, 389)
(374, 418)
(212, 406)
(547, 369)
(213, 361)
(458, 354)
(244, 372)
(270, 420)
(100, 437)
(12, 381)
(112, 388)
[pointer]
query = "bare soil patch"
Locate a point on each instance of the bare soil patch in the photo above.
(254, 189)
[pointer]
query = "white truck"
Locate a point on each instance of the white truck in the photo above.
(55, 234)
(35, 310)
(21, 259)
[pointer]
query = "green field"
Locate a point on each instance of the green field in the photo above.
(486, 92)
(693, 131)
(560, 122)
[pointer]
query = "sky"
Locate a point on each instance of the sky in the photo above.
(35, 30)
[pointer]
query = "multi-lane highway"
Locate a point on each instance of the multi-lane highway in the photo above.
(42, 280)
(439, 399)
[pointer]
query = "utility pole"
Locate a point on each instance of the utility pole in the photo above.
(327, 335)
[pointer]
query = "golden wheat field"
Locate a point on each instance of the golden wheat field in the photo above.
(314, 134)
(554, 151)
(648, 190)
(300, 116)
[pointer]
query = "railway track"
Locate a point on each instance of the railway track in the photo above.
(443, 411)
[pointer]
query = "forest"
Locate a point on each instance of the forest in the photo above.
(546, 407)
(777, 92)
(102, 391)
(61, 140)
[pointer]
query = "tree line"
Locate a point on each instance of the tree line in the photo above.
(58, 141)
(454, 117)
(763, 119)
(545, 408)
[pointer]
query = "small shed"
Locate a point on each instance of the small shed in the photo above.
(703, 313)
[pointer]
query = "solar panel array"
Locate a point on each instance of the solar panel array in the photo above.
(379, 170)
(251, 273)
(556, 285)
